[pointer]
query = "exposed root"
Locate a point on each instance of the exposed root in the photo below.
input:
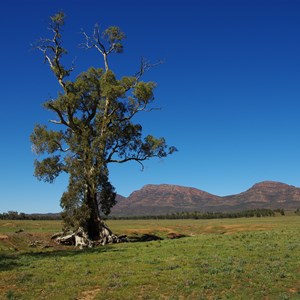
(80, 239)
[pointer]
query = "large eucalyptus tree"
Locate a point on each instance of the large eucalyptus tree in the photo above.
(92, 127)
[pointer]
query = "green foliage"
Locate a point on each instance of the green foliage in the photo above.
(14, 215)
(93, 127)
(45, 140)
(143, 91)
(280, 210)
(114, 36)
(58, 19)
(48, 169)
(207, 215)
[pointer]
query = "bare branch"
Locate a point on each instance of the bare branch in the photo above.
(142, 165)
(46, 57)
(61, 148)
(146, 66)
(98, 40)
(139, 157)
(137, 110)
(87, 44)
(72, 65)
(95, 42)
(60, 115)
(56, 122)
(115, 150)
(113, 111)
(71, 121)
(52, 50)
(112, 48)
(138, 160)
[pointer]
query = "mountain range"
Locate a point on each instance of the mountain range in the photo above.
(165, 199)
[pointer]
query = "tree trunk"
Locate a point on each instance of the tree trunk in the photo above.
(93, 227)
(93, 232)
(80, 238)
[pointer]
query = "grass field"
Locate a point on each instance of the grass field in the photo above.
(257, 258)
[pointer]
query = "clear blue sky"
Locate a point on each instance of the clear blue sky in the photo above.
(229, 89)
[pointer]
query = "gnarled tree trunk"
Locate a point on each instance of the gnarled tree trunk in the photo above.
(93, 232)
(81, 239)
(93, 223)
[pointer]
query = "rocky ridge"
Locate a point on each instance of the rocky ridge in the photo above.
(165, 198)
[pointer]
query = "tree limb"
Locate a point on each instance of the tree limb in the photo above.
(60, 115)
(61, 148)
(138, 160)
(145, 66)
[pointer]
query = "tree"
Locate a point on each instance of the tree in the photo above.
(93, 127)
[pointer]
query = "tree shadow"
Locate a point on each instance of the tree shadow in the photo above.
(8, 262)
(73, 252)
(144, 238)
(151, 237)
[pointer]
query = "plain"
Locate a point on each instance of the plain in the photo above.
(247, 258)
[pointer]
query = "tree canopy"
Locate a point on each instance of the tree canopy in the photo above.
(93, 126)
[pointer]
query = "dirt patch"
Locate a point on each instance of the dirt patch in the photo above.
(3, 237)
(25, 241)
(9, 225)
(147, 230)
(198, 230)
(173, 235)
(230, 229)
(89, 295)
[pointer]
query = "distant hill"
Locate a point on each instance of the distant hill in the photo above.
(266, 194)
(163, 199)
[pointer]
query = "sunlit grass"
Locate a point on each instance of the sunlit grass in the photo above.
(220, 259)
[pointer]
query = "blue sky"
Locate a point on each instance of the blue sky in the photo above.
(229, 91)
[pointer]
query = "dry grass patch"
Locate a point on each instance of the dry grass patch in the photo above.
(89, 295)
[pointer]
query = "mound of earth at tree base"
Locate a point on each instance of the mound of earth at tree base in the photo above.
(166, 199)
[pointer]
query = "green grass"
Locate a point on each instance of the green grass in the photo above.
(10, 226)
(220, 259)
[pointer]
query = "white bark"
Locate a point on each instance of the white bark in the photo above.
(80, 238)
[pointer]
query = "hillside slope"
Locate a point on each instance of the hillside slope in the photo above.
(164, 198)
